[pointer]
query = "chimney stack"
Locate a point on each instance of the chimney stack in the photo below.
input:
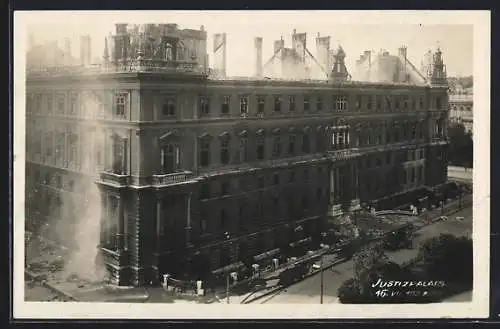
(258, 56)
(85, 50)
(220, 53)
(402, 52)
(278, 45)
(67, 51)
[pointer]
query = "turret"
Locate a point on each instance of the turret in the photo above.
(339, 70)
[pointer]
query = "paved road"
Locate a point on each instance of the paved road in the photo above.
(308, 290)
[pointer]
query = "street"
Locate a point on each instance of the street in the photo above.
(308, 290)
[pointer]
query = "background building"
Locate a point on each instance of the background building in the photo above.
(198, 171)
(461, 102)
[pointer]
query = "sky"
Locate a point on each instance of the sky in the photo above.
(356, 32)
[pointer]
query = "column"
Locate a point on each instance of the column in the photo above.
(188, 219)
(337, 182)
(119, 225)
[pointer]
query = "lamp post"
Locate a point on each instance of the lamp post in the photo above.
(322, 282)
(228, 237)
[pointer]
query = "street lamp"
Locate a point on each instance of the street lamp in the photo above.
(322, 281)
(228, 237)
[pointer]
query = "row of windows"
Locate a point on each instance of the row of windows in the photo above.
(262, 181)
(280, 209)
(76, 104)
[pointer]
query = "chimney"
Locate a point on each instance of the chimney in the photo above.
(279, 44)
(323, 50)
(85, 50)
(258, 56)
(402, 52)
(67, 51)
(220, 53)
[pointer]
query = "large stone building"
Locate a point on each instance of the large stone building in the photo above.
(461, 104)
(198, 172)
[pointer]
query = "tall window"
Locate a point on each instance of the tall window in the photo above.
(224, 151)
(319, 103)
(60, 147)
(305, 202)
(307, 105)
(260, 148)
(291, 144)
(205, 191)
(225, 105)
(413, 131)
(276, 146)
(205, 105)
(261, 102)
(358, 102)
(396, 102)
(243, 150)
(60, 104)
(340, 103)
(438, 103)
(170, 155)
(379, 102)
(306, 145)
(223, 219)
(224, 190)
(73, 142)
(48, 144)
(50, 103)
(421, 102)
(204, 153)
(168, 107)
(73, 104)
(422, 129)
(120, 104)
(369, 102)
(244, 105)
(38, 103)
(291, 103)
(277, 104)
(118, 155)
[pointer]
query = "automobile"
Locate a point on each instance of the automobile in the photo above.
(459, 218)
(316, 266)
(443, 218)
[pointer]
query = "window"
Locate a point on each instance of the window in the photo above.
(306, 174)
(291, 144)
(47, 179)
(305, 202)
(205, 105)
(319, 103)
(260, 148)
(118, 156)
(244, 104)
(204, 153)
(261, 182)
(413, 131)
(292, 176)
(224, 151)
(396, 102)
(48, 144)
(243, 149)
(50, 103)
(306, 145)
(276, 146)
(276, 179)
(224, 189)
(73, 104)
(60, 104)
(203, 224)
(421, 154)
(277, 104)
(378, 162)
(120, 103)
(420, 173)
(340, 103)
(291, 103)
(358, 102)
(223, 219)
(261, 103)
(388, 159)
(422, 129)
(38, 103)
(58, 181)
(319, 193)
(412, 175)
(170, 158)
(307, 105)
(225, 105)
(421, 102)
(276, 209)
(438, 103)
(205, 191)
(71, 185)
(168, 107)
(379, 102)
(396, 136)
(369, 102)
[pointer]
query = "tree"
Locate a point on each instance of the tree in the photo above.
(461, 146)
(448, 258)
(366, 260)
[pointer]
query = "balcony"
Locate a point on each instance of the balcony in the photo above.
(172, 178)
(343, 154)
(112, 178)
(114, 258)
